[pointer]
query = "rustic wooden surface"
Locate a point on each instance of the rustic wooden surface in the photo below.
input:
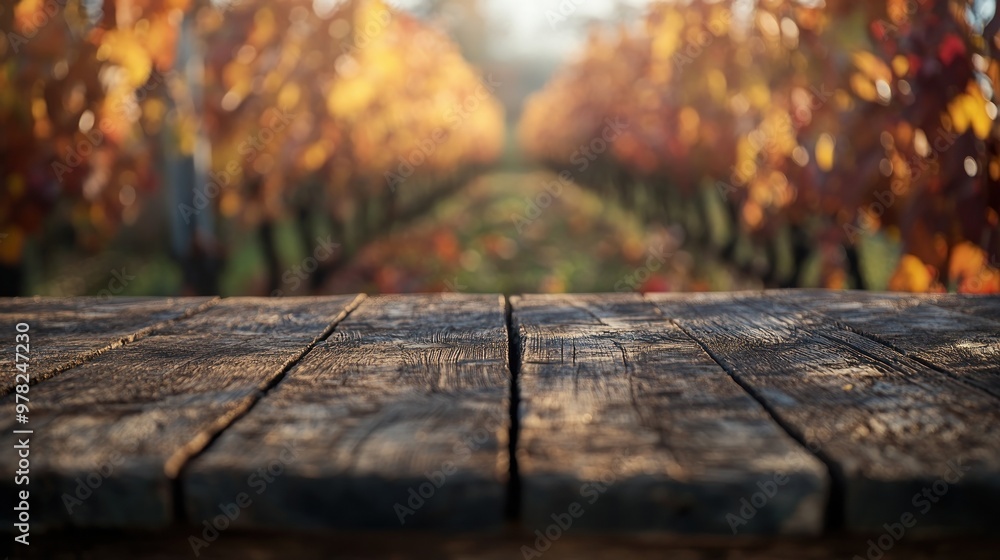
(139, 413)
(683, 408)
(626, 416)
(985, 307)
(69, 331)
(961, 341)
(398, 420)
(886, 425)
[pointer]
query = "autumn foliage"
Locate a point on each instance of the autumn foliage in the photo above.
(364, 99)
(815, 127)
(359, 117)
(72, 148)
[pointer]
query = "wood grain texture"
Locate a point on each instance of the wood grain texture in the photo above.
(409, 396)
(626, 416)
(889, 426)
(959, 342)
(983, 306)
(126, 421)
(890, 388)
(68, 331)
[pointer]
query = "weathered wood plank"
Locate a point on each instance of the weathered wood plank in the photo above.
(960, 343)
(890, 427)
(983, 306)
(408, 397)
(628, 422)
(125, 422)
(68, 331)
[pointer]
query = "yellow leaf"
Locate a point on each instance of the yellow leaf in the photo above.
(911, 275)
(130, 53)
(959, 120)
(900, 65)
(154, 109)
(289, 95)
(824, 152)
(759, 95)
(967, 260)
(864, 87)
(975, 108)
(348, 98)
(314, 156)
(872, 66)
(264, 27)
(717, 84)
(666, 36)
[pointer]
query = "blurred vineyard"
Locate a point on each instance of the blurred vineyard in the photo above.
(786, 136)
(301, 146)
(222, 119)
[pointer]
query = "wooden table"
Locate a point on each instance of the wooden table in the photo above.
(788, 424)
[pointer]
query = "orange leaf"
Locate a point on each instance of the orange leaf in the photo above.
(911, 275)
(967, 261)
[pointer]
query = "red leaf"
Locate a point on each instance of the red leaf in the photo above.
(951, 48)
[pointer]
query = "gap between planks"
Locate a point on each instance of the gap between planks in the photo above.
(897, 361)
(976, 383)
(176, 464)
(399, 389)
(834, 515)
(89, 355)
(514, 353)
(174, 467)
(202, 444)
(671, 480)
